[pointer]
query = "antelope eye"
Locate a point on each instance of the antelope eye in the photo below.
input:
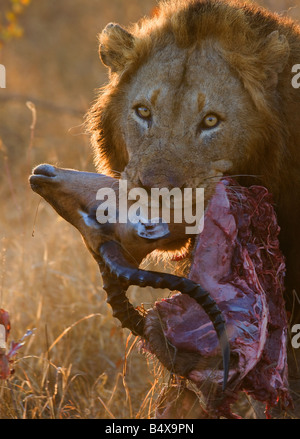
(210, 121)
(143, 112)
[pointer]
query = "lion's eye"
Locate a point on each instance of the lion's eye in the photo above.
(210, 121)
(143, 112)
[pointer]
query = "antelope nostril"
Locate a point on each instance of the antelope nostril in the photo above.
(46, 170)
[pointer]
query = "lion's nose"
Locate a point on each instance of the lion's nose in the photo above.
(169, 181)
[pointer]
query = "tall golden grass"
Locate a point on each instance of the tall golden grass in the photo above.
(79, 363)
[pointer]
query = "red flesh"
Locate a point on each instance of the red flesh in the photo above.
(238, 261)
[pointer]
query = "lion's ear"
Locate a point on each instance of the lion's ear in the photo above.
(275, 55)
(116, 46)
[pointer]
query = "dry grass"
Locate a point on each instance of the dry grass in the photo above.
(79, 363)
(74, 364)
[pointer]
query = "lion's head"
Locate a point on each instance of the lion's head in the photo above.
(202, 89)
(195, 92)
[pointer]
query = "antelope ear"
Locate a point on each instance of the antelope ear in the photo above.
(275, 55)
(116, 47)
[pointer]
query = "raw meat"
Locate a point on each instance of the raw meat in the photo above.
(238, 260)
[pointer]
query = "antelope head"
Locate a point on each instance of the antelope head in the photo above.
(119, 247)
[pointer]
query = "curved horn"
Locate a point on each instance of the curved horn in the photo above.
(128, 274)
(122, 309)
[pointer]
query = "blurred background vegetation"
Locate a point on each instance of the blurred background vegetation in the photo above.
(79, 363)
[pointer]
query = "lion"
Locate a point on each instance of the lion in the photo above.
(200, 90)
